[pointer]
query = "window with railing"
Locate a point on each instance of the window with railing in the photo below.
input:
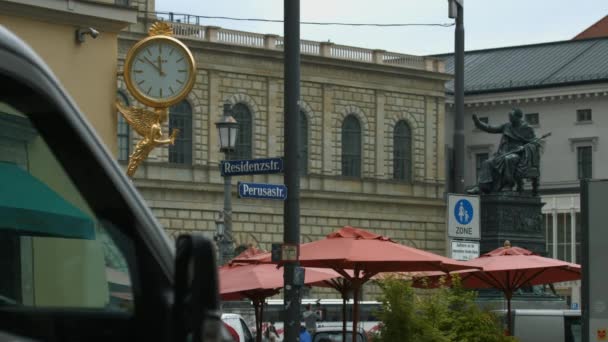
(351, 147)
(244, 140)
(402, 152)
(578, 238)
(303, 143)
(180, 117)
(563, 236)
(548, 218)
(122, 130)
(584, 161)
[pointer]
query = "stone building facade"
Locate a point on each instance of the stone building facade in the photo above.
(377, 89)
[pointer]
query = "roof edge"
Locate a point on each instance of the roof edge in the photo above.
(522, 46)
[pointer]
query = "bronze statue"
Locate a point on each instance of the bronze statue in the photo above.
(148, 124)
(517, 157)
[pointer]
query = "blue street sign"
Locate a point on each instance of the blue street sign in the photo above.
(251, 166)
(262, 190)
(463, 211)
(463, 217)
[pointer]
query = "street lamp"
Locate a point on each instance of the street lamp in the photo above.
(220, 227)
(227, 130)
(456, 11)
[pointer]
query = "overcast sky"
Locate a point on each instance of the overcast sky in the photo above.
(488, 23)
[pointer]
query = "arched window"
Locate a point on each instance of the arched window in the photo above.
(351, 147)
(243, 148)
(122, 130)
(180, 117)
(303, 143)
(402, 152)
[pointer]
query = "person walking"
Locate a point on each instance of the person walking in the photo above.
(304, 335)
(271, 333)
(310, 319)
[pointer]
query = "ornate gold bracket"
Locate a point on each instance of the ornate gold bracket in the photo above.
(148, 124)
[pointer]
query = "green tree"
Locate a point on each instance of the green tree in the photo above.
(447, 314)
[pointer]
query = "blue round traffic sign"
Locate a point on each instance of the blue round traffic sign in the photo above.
(463, 211)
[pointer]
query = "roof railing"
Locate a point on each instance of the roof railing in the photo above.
(189, 27)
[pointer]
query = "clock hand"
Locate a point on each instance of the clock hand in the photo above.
(154, 65)
(160, 66)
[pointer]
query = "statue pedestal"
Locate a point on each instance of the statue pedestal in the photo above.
(514, 217)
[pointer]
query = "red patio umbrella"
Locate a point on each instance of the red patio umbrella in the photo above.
(510, 268)
(256, 282)
(367, 254)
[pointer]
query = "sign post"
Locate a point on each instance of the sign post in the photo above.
(594, 255)
(463, 226)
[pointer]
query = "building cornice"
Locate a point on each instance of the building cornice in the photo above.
(553, 94)
(102, 16)
(368, 73)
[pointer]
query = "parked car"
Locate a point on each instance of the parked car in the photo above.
(546, 325)
(82, 256)
(238, 323)
(229, 334)
(334, 334)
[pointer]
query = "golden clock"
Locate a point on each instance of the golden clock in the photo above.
(159, 70)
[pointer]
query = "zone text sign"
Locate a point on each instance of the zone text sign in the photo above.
(463, 216)
(262, 190)
(251, 166)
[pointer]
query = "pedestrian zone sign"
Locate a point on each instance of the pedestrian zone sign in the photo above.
(463, 216)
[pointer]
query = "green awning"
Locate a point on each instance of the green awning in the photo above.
(30, 207)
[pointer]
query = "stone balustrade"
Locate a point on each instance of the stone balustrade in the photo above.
(190, 29)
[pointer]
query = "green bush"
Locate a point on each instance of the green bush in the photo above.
(447, 314)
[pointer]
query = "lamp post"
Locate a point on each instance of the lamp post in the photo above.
(227, 128)
(456, 11)
(220, 227)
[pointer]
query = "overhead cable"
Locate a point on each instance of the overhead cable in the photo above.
(312, 22)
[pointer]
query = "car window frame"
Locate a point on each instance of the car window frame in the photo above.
(68, 121)
(83, 156)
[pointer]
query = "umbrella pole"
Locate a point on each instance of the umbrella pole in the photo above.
(256, 307)
(356, 287)
(344, 316)
(509, 322)
(255, 310)
(259, 334)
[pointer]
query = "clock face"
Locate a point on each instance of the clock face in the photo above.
(160, 71)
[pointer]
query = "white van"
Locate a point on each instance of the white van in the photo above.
(238, 323)
(546, 325)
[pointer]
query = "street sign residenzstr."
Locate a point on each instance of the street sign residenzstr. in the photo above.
(251, 166)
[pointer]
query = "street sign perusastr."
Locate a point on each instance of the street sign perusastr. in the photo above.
(262, 191)
(251, 166)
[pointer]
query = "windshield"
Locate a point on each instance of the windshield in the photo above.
(54, 251)
(335, 336)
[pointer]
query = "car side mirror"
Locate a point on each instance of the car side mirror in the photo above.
(196, 315)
